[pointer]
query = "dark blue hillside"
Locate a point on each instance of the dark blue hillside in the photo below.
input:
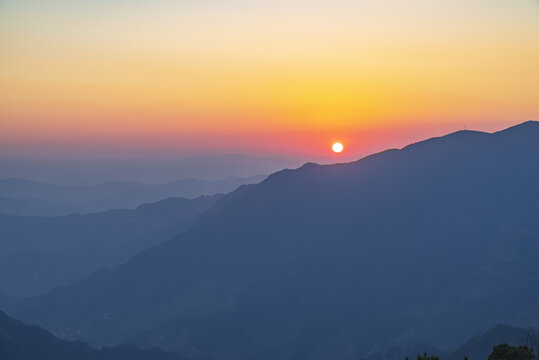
(38, 253)
(23, 342)
(429, 244)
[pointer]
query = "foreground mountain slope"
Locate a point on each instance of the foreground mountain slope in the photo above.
(476, 348)
(479, 347)
(38, 253)
(32, 198)
(23, 342)
(429, 244)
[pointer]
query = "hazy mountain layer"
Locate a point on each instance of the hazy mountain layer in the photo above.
(90, 171)
(25, 197)
(477, 348)
(429, 244)
(23, 342)
(38, 253)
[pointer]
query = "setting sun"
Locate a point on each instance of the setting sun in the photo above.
(337, 147)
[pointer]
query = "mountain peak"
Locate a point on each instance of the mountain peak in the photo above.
(526, 126)
(306, 264)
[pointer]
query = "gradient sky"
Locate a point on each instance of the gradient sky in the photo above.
(284, 77)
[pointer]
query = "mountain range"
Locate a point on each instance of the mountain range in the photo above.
(38, 253)
(86, 171)
(27, 197)
(23, 342)
(476, 348)
(429, 244)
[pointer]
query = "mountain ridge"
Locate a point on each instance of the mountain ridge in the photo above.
(38, 253)
(28, 197)
(329, 260)
(22, 342)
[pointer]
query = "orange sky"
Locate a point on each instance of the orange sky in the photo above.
(280, 77)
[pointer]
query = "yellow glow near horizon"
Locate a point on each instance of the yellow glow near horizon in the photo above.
(160, 67)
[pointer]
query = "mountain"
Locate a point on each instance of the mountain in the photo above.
(7, 300)
(148, 169)
(26, 197)
(477, 348)
(429, 244)
(403, 352)
(234, 165)
(30, 206)
(38, 253)
(23, 342)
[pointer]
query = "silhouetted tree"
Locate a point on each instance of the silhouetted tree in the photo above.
(508, 352)
(427, 357)
(531, 342)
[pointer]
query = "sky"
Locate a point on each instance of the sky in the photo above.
(280, 77)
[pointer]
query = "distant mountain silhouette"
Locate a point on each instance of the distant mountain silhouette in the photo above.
(30, 207)
(23, 342)
(7, 300)
(479, 347)
(38, 253)
(430, 244)
(26, 197)
(476, 348)
(402, 352)
(89, 171)
(234, 165)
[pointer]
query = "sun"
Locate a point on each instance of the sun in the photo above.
(337, 147)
